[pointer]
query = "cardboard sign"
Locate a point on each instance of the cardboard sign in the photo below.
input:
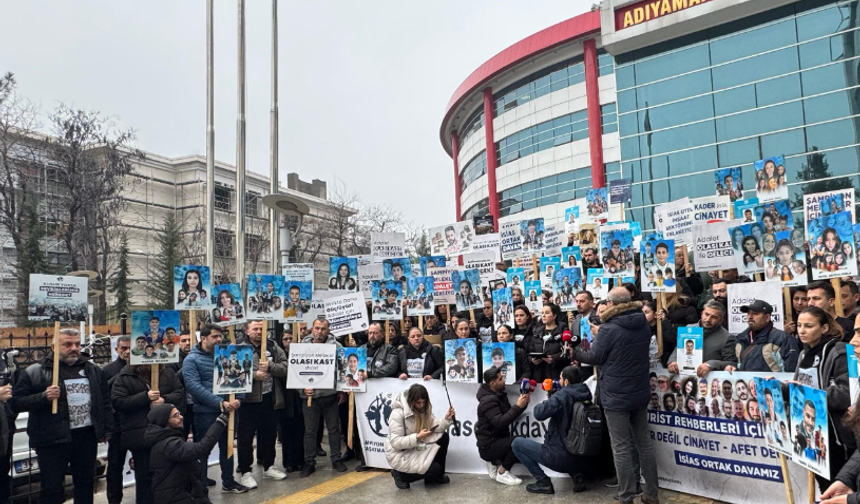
(712, 248)
(743, 294)
(387, 245)
(192, 287)
(346, 314)
(312, 365)
(233, 372)
(57, 298)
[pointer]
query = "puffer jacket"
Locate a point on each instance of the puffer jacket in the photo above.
(130, 400)
(401, 445)
(850, 476)
(382, 360)
(434, 361)
(495, 415)
(551, 346)
(558, 409)
(771, 350)
(197, 370)
(621, 349)
(174, 464)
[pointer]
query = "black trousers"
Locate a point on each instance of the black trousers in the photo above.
(188, 424)
(5, 467)
(260, 419)
(142, 476)
(437, 467)
(116, 464)
(80, 454)
(499, 452)
(292, 432)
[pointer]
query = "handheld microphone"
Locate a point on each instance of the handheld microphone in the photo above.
(527, 386)
(551, 385)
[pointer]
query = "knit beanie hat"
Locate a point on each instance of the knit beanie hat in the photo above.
(160, 414)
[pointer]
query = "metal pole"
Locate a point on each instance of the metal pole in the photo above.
(210, 138)
(240, 153)
(274, 219)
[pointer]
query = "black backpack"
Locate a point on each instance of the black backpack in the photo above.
(586, 429)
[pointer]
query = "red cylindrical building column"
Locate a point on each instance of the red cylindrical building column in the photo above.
(493, 196)
(455, 147)
(595, 128)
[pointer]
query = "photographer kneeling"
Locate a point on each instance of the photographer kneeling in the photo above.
(417, 442)
(553, 454)
(493, 429)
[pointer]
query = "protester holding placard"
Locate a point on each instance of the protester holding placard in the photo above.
(132, 397)
(649, 308)
(679, 309)
(521, 363)
(291, 421)
(763, 347)
(199, 377)
(259, 415)
(718, 346)
(84, 417)
(822, 364)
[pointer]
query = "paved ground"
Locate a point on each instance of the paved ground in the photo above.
(328, 487)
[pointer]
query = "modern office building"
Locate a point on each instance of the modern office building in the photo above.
(662, 92)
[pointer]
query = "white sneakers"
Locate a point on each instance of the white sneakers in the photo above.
(507, 478)
(492, 471)
(274, 473)
(248, 480)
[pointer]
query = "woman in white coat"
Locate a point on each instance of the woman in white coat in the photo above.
(417, 443)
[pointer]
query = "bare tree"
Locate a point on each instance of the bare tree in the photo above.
(92, 160)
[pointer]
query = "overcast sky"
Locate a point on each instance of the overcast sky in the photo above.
(363, 84)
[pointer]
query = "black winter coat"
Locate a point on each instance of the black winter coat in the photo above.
(523, 337)
(434, 360)
(621, 348)
(174, 464)
(558, 409)
(495, 416)
(47, 429)
(552, 347)
(850, 475)
(130, 400)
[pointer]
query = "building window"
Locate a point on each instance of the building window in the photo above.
(479, 209)
(782, 82)
(476, 167)
(223, 196)
(545, 81)
(608, 118)
(605, 63)
(472, 125)
(546, 191)
(255, 247)
(252, 204)
(224, 246)
(546, 135)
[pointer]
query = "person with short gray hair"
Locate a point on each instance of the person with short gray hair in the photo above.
(622, 352)
(718, 347)
(116, 453)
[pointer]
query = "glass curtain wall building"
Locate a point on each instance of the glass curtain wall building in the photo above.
(664, 103)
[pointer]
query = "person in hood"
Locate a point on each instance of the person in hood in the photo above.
(132, 397)
(417, 442)
(68, 439)
(763, 347)
(493, 429)
(420, 358)
(718, 349)
(325, 405)
(621, 351)
(558, 409)
(174, 463)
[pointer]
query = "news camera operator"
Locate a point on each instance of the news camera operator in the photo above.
(558, 409)
(493, 429)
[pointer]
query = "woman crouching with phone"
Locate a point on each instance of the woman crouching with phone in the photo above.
(417, 442)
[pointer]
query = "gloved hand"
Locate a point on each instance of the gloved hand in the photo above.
(223, 418)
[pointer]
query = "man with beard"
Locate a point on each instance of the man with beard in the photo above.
(68, 439)
(590, 259)
(763, 347)
(823, 295)
(718, 347)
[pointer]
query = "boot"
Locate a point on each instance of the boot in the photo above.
(542, 486)
(578, 483)
(398, 481)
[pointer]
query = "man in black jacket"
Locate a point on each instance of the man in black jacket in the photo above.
(493, 429)
(558, 408)
(132, 397)
(175, 469)
(84, 417)
(621, 351)
(116, 453)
